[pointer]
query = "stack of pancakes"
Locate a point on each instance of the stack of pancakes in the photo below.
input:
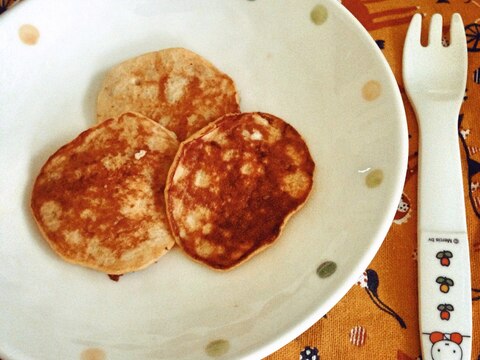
(171, 160)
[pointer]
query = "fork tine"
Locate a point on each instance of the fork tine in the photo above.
(414, 31)
(435, 31)
(457, 31)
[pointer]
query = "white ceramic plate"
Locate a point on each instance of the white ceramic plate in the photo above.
(320, 71)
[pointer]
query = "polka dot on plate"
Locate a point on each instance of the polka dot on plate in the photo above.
(374, 178)
(358, 335)
(326, 269)
(371, 90)
(93, 354)
(217, 348)
(319, 14)
(28, 34)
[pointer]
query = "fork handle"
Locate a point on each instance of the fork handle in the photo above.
(445, 305)
(440, 186)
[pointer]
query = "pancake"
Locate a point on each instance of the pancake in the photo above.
(98, 200)
(175, 87)
(233, 186)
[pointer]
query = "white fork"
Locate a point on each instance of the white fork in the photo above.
(435, 79)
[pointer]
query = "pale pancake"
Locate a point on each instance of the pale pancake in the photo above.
(234, 184)
(175, 87)
(98, 200)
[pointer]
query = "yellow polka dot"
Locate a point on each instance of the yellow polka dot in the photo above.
(371, 90)
(28, 34)
(319, 14)
(93, 354)
(217, 348)
(374, 178)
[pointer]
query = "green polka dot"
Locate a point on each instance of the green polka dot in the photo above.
(374, 178)
(319, 14)
(217, 348)
(326, 269)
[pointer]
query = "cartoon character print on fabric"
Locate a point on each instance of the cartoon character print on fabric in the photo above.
(402, 356)
(381, 44)
(472, 31)
(474, 3)
(472, 153)
(5, 4)
(309, 353)
(404, 207)
(403, 210)
(372, 20)
(476, 76)
(370, 282)
(412, 166)
(476, 296)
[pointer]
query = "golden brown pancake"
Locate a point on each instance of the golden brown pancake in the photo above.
(234, 184)
(175, 87)
(98, 200)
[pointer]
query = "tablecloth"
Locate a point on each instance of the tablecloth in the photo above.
(378, 317)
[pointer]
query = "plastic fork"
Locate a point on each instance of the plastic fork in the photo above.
(435, 79)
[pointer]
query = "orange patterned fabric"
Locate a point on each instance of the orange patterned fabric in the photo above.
(377, 319)
(6, 4)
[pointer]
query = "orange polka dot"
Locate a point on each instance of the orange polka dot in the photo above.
(28, 34)
(371, 90)
(93, 354)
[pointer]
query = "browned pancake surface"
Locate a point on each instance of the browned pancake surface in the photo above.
(175, 87)
(233, 186)
(99, 200)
